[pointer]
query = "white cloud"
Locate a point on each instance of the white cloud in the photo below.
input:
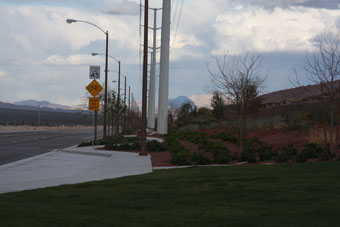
(260, 30)
(2, 73)
(77, 59)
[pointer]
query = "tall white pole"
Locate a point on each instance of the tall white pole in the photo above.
(152, 85)
(162, 121)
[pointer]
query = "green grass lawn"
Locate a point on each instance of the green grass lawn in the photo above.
(255, 195)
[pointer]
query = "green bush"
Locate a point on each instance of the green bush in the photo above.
(87, 144)
(154, 146)
(180, 157)
(123, 146)
(225, 137)
(302, 157)
(288, 153)
(249, 155)
(325, 154)
(290, 150)
(235, 156)
(222, 156)
(252, 142)
(265, 152)
(199, 158)
(282, 157)
(311, 150)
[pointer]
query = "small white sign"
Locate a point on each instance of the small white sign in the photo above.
(94, 72)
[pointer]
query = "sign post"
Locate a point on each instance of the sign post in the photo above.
(94, 88)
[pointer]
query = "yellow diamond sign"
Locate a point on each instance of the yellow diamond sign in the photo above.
(94, 88)
(94, 104)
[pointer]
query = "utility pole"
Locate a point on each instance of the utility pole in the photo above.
(118, 102)
(124, 116)
(39, 115)
(129, 108)
(143, 150)
(152, 85)
(163, 100)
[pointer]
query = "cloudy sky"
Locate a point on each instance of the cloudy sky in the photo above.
(44, 58)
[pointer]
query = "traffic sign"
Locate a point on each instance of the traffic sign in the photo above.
(93, 104)
(94, 88)
(94, 72)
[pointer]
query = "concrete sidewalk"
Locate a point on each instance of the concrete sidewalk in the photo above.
(70, 166)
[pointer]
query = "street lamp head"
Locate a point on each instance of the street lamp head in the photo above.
(70, 21)
(94, 54)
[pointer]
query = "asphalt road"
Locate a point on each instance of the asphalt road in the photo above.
(15, 146)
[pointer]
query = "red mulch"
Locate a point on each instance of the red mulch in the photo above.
(160, 159)
(274, 137)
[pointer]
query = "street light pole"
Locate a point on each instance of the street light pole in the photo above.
(70, 21)
(105, 96)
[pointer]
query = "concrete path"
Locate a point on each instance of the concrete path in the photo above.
(70, 166)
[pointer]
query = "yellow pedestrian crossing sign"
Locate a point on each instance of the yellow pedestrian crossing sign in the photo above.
(94, 88)
(94, 104)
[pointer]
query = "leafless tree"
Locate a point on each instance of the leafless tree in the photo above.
(239, 79)
(323, 67)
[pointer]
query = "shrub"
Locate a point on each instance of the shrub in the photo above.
(225, 137)
(154, 146)
(180, 157)
(253, 142)
(222, 156)
(123, 146)
(282, 157)
(302, 157)
(325, 154)
(199, 158)
(235, 156)
(265, 152)
(249, 155)
(290, 150)
(311, 150)
(87, 144)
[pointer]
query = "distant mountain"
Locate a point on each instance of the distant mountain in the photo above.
(179, 101)
(43, 104)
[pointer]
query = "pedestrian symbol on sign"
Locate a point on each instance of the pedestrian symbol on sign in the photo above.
(94, 72)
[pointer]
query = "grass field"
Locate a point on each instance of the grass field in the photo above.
(255, 195)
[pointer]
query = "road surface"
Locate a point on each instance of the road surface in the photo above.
(15, 146)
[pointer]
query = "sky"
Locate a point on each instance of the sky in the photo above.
(44, 58)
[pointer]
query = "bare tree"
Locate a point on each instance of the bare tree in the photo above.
(323, 67)
(239, 79)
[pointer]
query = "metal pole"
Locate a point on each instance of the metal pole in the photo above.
(124, 116)
(163, 100)
(143, 150)
(93, 128)
(105, 95)
(39, 115)
(129, 109)
(118, 101)
(152, 86)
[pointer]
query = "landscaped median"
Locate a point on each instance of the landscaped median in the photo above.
(306, 194)
(200, 148)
